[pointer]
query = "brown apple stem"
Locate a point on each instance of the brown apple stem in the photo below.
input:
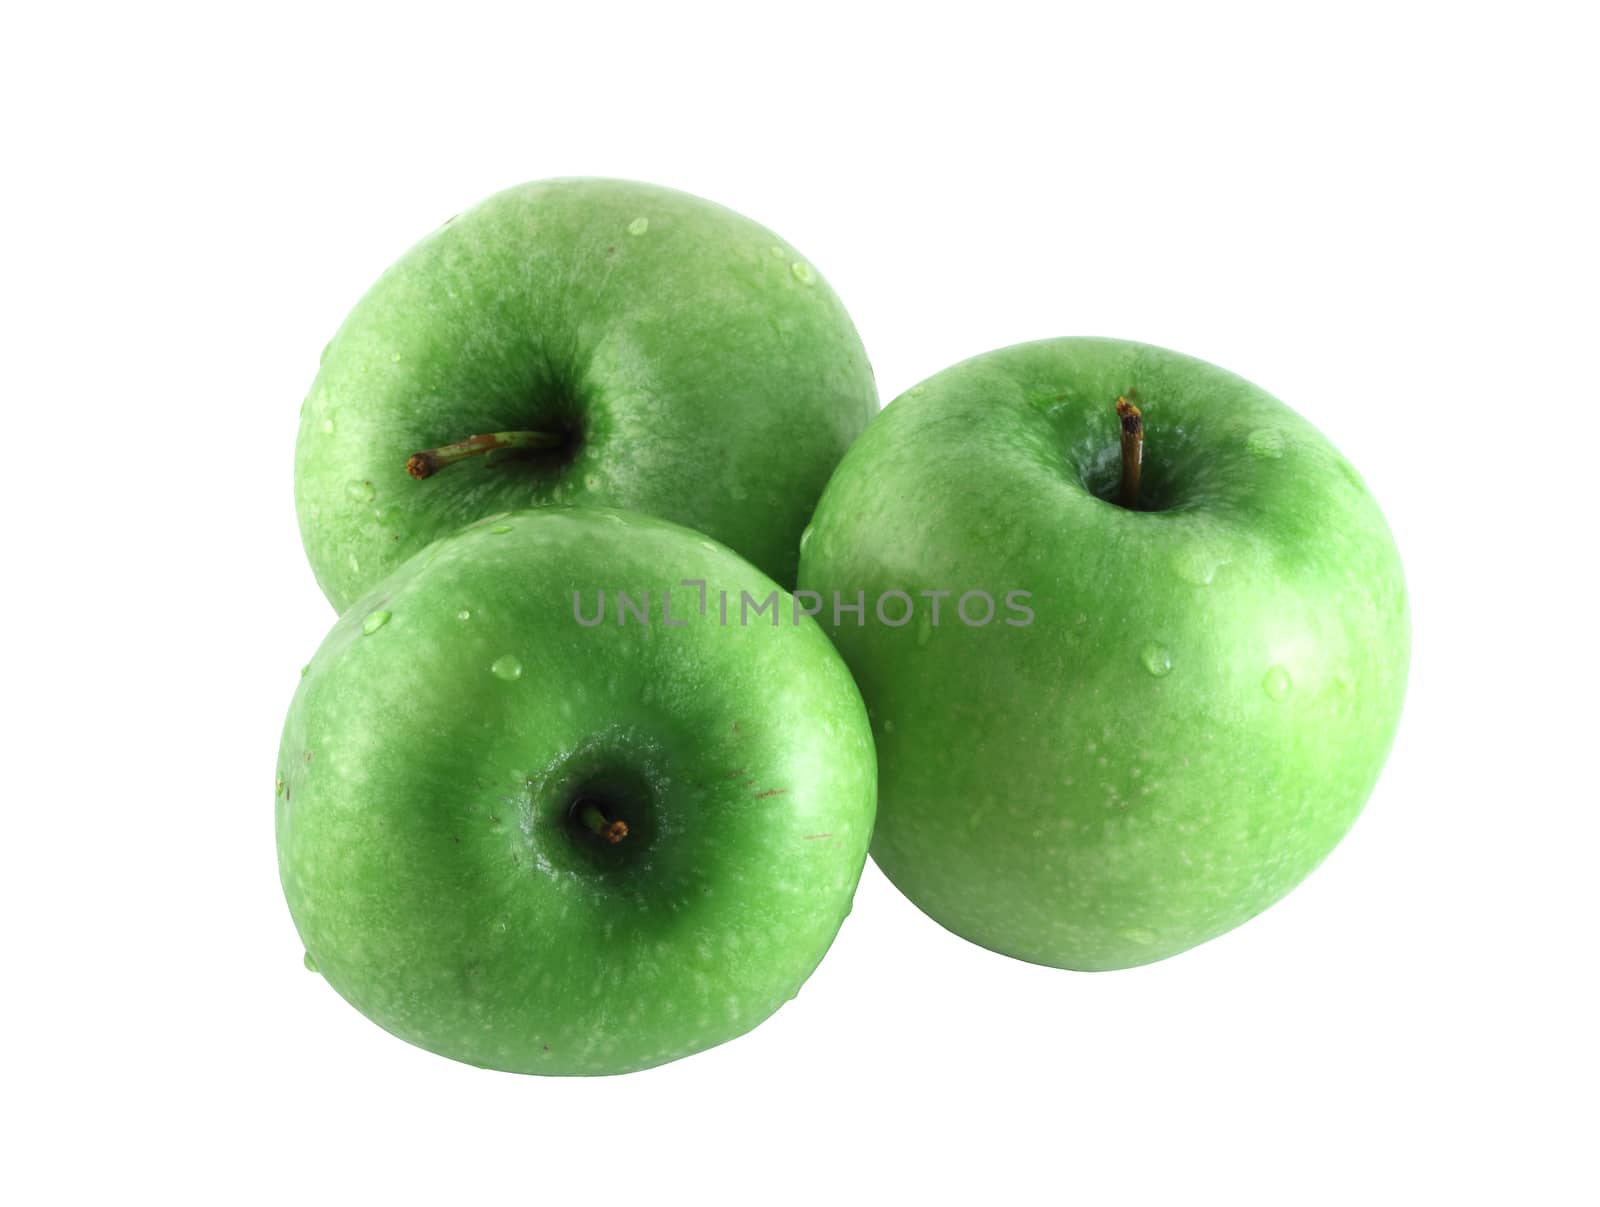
(431, 460)
(596, 822)
(1132, 451)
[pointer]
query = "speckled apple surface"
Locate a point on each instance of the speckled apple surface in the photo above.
(451, 721)
(1209, 686)
(694, 365)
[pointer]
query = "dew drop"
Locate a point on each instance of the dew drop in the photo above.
(327, 427)
(1157, 658)
(802, 272)
(778, 253)
(375, 621)
(394, 357)
(506, 667)
(1198, 566)
(638, 226)
(1276, 682)
(976, 818)
(500, 529)
(805, 539)
(361, 491)
(464, 614)
(311, 965)
(1264, 442)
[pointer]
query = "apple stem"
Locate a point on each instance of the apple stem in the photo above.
(1132, 451)
(431, 460)
(596, 822)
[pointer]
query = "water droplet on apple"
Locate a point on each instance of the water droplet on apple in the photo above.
(805, 538)
(1277, 683)
(327, 427)
(375, 621)
(1265, 442)
(1198, 565)
(394, 357)
(802, 272)
(1157, 658)
(464, 614)
(506, 667)
(638, 226)
(361, 492)
(311, 965)
(778, 253)
(500, 529)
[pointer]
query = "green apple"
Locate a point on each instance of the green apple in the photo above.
(585, 342)
(533, 842)
(1175, 703)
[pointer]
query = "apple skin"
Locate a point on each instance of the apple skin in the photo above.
(425, 842)
(697, 367)
(1208, 689)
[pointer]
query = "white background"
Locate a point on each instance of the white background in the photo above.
(1385, 215)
